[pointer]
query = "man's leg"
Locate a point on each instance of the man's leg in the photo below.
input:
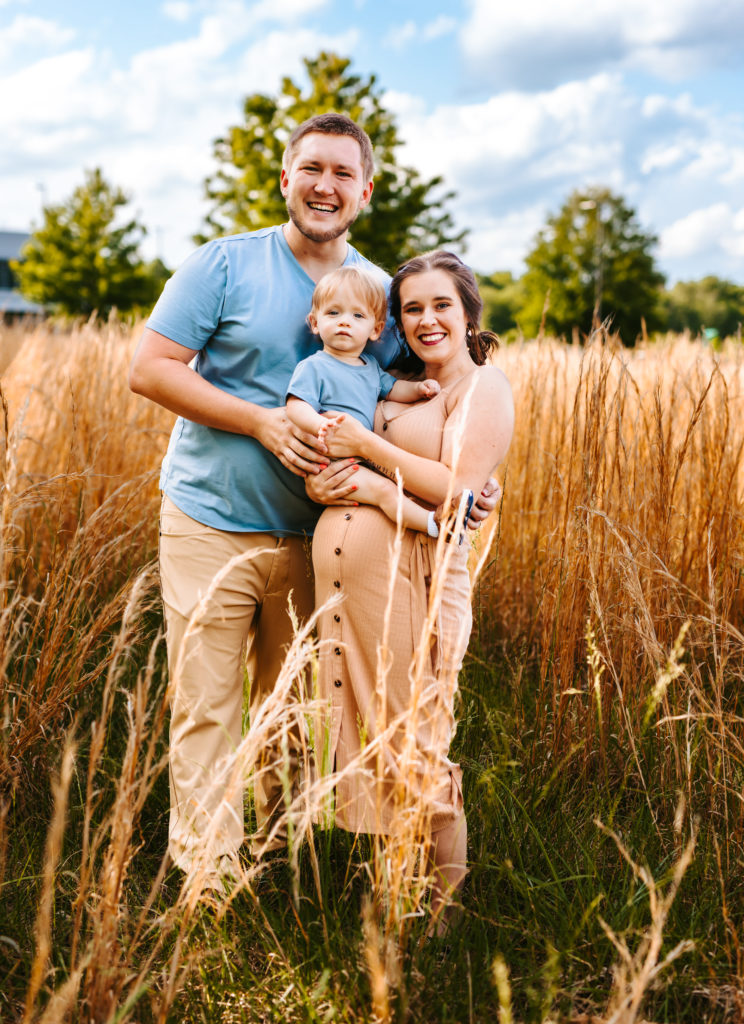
(291, 578)
(210, 609)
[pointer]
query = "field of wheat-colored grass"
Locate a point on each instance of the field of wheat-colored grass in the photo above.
(601, 723)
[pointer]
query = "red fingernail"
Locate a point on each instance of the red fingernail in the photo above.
(355, 467)
(354, 487)
(324, 465)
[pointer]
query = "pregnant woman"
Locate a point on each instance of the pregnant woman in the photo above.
(391, 716)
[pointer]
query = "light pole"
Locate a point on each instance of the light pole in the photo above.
(596, 204)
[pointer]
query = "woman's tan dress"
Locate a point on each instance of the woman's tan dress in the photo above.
(390, 722)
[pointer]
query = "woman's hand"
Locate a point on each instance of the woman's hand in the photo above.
(334, 484)
(489, 498)
(345, 437)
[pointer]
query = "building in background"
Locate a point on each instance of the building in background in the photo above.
(12, 303)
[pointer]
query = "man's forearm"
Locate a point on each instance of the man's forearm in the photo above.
(178, 388)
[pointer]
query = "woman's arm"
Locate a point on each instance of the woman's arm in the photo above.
(479, 429)
(372, 489)
(476, 438)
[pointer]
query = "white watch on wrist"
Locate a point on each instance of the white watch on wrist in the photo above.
(432, 527)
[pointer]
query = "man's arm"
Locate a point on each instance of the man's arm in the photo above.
(160, 372)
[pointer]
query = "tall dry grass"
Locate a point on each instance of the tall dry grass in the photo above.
(78, 456)
(612, 604)
(623, 520)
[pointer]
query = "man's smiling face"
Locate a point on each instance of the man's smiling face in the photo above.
(324, 186)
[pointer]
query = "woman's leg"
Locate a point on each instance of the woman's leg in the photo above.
(448, 867)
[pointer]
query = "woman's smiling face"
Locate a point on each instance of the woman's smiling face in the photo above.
(433, 317)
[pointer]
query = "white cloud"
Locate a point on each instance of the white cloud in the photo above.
(441, 26)
(709, 230)
(177, 10)
(536, 43)
(505, 143)
(734, 242)
(287, 11)
(399, 36)
(515, 157)
(149, 121)
(500, 242)
(149, 124)
(500, 154)
(49, 93)
(26, 32)
(718, 159)
(662, 157)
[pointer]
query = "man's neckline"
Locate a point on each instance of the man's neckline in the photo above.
(331, 266)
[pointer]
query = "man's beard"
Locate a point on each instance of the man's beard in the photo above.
(319, 236)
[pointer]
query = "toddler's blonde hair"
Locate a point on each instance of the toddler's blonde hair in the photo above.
(368, 288)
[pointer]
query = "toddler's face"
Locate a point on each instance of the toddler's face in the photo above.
(345, 324)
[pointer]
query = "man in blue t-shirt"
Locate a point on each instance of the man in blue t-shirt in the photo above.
(219, 350)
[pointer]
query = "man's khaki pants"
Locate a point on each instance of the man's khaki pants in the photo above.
(244, 621)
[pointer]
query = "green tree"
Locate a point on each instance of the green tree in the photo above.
(503, 298)
(84, 259)
(592, 261)
(711, 302)
(406, 215)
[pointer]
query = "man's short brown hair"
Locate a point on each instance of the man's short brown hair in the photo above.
(332, 124)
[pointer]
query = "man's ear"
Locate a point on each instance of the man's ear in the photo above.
(366, 194)
(284, 182)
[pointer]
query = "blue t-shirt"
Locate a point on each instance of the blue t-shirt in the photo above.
(329, 384)
(242, 302)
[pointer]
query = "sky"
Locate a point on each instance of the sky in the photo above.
(514, 104)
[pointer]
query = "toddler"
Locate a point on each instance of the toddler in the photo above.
(349, 308)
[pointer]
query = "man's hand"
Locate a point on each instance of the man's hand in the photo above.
(297, 450)
(334, 484)
(489, 498)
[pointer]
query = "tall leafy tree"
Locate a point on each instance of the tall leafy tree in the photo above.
(84, 257)
(592, 261)
(407, 212)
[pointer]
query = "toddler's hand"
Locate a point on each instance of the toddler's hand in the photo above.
(429, 388)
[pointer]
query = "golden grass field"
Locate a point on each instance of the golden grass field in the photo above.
(609, 632)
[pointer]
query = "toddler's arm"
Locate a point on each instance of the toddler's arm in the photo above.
(302, 414)
(412, 390)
